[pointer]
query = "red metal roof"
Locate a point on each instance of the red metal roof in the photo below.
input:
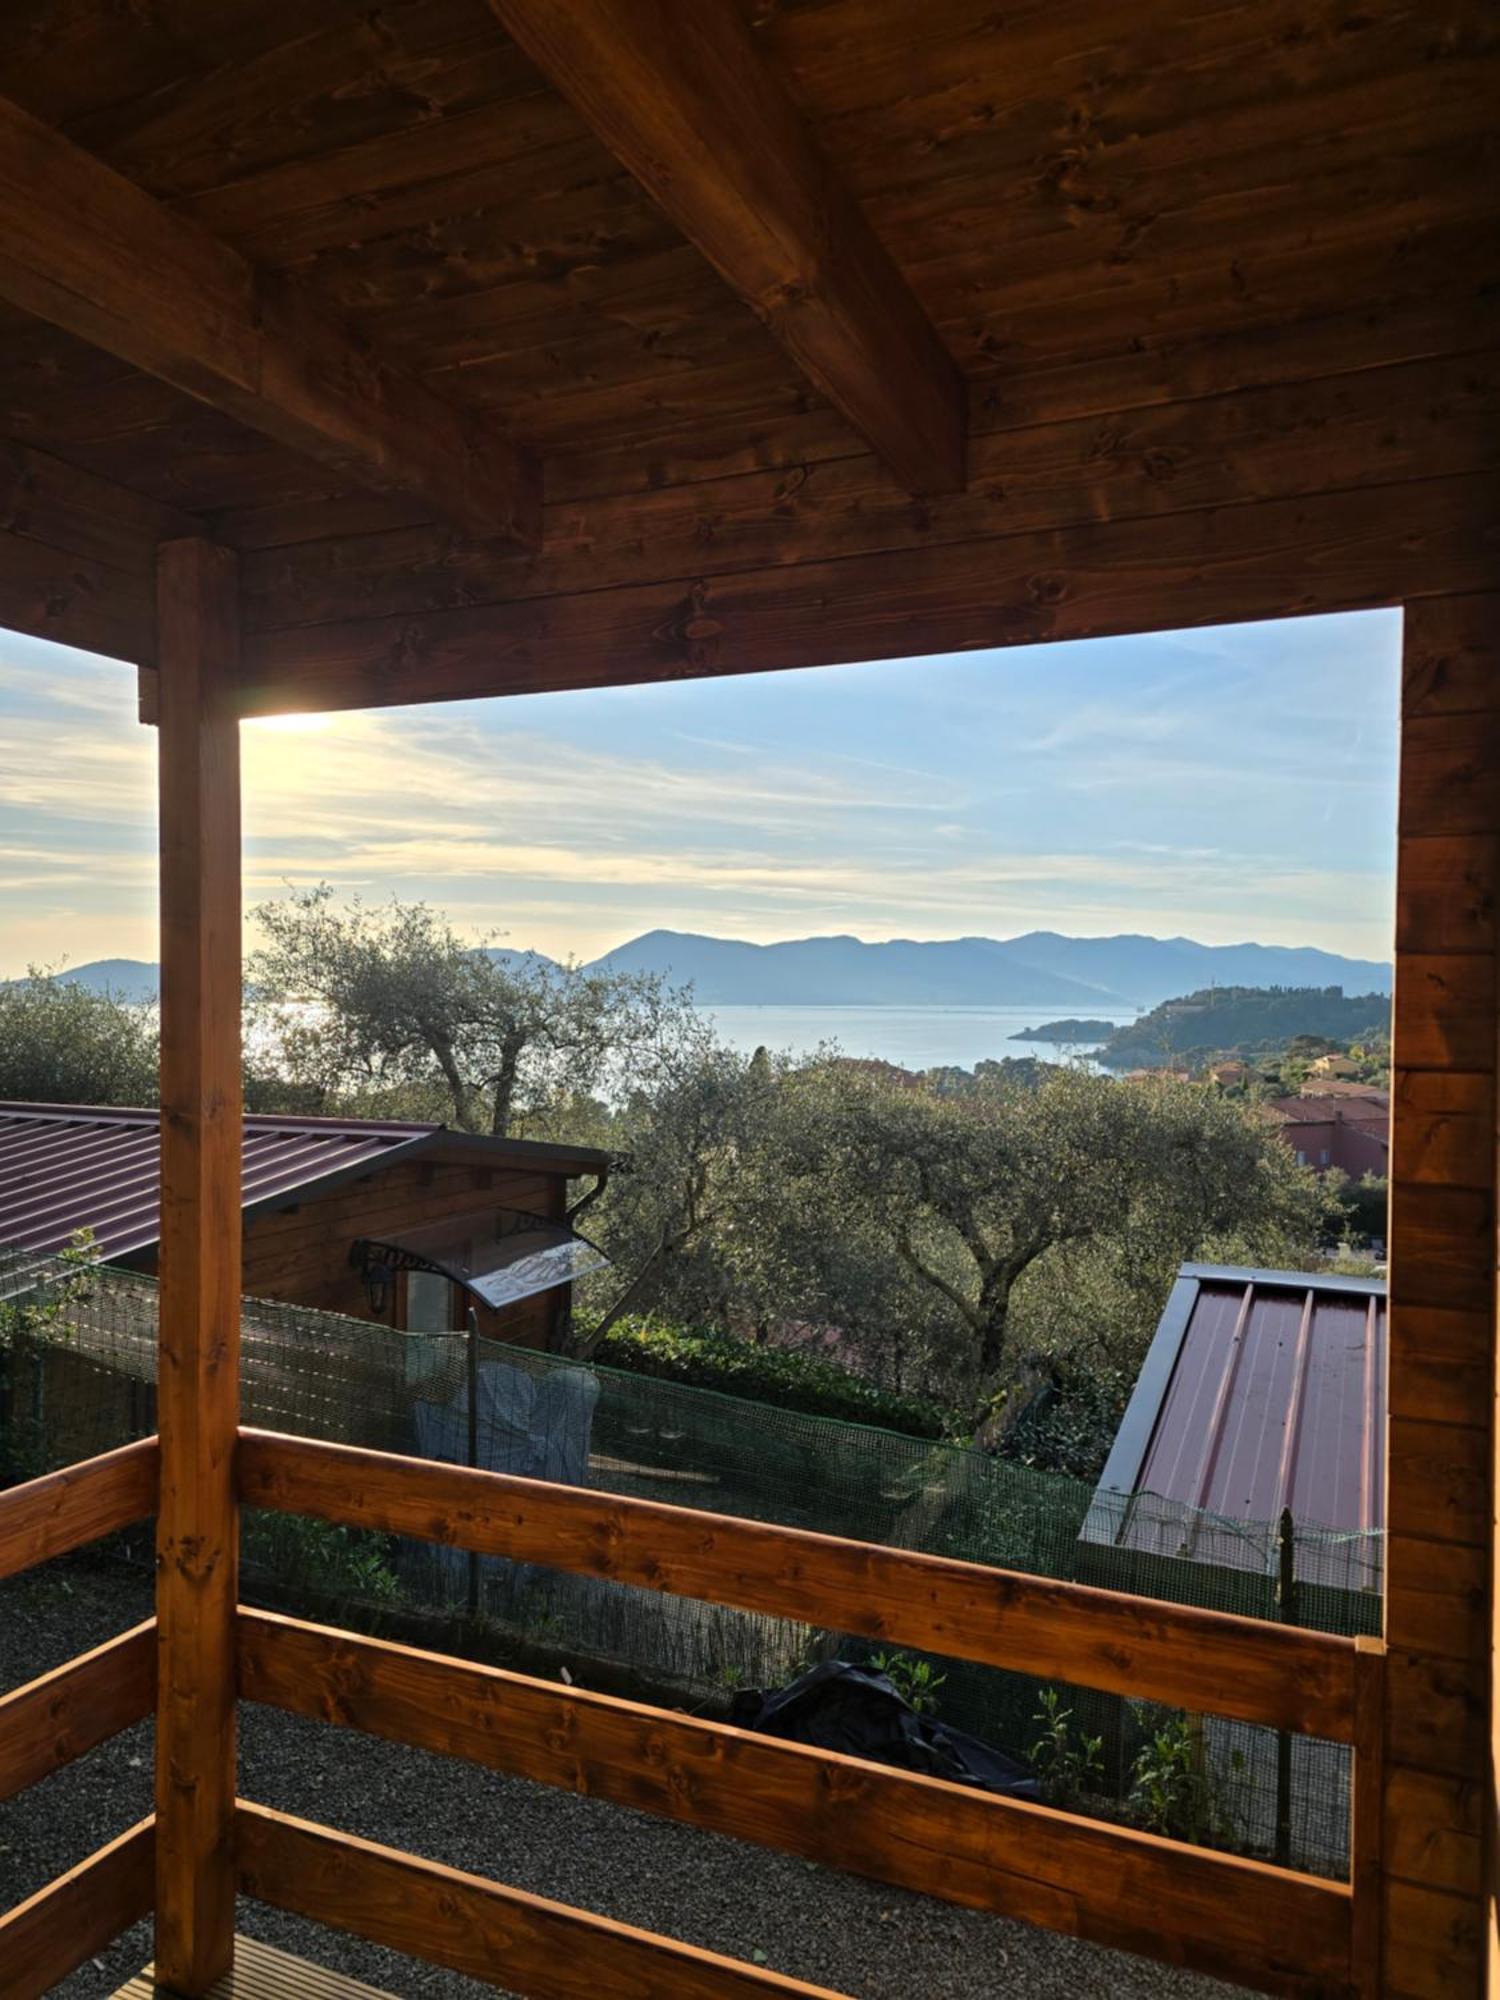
(1262, 1390)
(65, 1167)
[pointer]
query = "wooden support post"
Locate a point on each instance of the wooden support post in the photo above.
(1440, 1501)
(197, 1541)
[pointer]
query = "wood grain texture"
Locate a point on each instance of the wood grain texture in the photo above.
(70, 1711)
(87, 250)
(1441, 1455)
(55, 1931)
(1202, 1660)
(1329, 552)
(679, 91)
(1259, 1925)
(261, 1972)
(197, 1538)
(1272, 442)
(494, 1933)
(61, 1511)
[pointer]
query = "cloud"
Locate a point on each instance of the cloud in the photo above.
(926, 803)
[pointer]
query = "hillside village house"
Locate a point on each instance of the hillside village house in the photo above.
(370, 357)
(413, 1225)
(1348, 1130)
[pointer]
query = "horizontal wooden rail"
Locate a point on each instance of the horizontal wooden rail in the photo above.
(524, 1943)
(65, 1714)
(51, 1934)
(63, 1510)
(1206, 1661)
(1242, 1920)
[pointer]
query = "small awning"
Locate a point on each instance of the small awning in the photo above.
(499, 1255)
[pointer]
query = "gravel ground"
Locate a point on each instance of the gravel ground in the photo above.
(834, 1930)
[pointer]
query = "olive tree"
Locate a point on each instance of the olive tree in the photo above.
(390, 1002)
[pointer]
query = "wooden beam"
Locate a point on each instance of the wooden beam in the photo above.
(485, 1929)
(1325, 551)
(87, 250)
(1207, 1661)
(680, 91)
(53, 1932)
(62, 1511)
(1441, 1547)
(65, 1714)
(1242, 1920)
(199, 1262)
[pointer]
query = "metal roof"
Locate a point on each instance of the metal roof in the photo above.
(1262, 1390)
(66, 1167)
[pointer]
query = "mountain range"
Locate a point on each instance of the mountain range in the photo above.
(1040, 969)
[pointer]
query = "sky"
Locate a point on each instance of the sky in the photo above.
(1223, 784)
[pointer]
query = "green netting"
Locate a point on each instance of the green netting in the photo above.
(77, 1375)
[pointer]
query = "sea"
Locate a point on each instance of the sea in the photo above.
(911, 1037)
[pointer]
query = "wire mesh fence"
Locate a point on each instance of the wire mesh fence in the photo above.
(77, 1376)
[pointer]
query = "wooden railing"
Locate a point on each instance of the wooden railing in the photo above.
(1242, 1919)
(70, 1711)
(1247, 1920)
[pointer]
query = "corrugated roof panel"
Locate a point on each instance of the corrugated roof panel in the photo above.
(1263, 1390)
(69, 1167)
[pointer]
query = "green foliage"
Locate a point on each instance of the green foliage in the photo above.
(1068, 1764)
(62, 1044)
(390, 1010)
(709, 1360)
(1171, 1789)
(914, 1679)
(1307, 1020)
(318, 1559)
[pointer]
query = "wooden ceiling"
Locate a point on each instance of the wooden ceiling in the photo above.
(339, 286)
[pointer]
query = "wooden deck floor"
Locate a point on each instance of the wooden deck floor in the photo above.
(263, 1973)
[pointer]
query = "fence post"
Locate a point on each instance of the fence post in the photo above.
(471, 1353)
(1286, 1612)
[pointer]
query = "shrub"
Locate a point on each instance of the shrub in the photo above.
(1067, 1763)
(765, 1374)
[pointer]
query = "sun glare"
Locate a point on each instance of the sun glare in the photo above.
(290, 725)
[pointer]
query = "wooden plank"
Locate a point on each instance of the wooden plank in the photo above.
(678, 90)
(198, 1262)
(1202, 1660)
(485, 1929)
(1367, 1818)
(1436, 1835)
(1437, 1597)
(1243, 1920)
(55, 1931)
(1433, 1944)
(1440, 1551)
(1428, 418)
(62, 1511)
(1446, 894)
(45, 500)
(261, 1972)
(1336, 551)
(51, 593)
(1444, 1011)
(1443, 1127)
(88, 251)
(65, 1714)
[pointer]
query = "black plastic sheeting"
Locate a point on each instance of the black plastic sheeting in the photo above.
(855, 1710)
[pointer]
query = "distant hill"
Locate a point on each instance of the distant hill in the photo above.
(1040, 969)
(1043, 969)
(845, 971)
(125, 978)
(1218, 1020)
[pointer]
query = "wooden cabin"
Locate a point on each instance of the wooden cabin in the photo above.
(359, 357)
(410, 1224)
